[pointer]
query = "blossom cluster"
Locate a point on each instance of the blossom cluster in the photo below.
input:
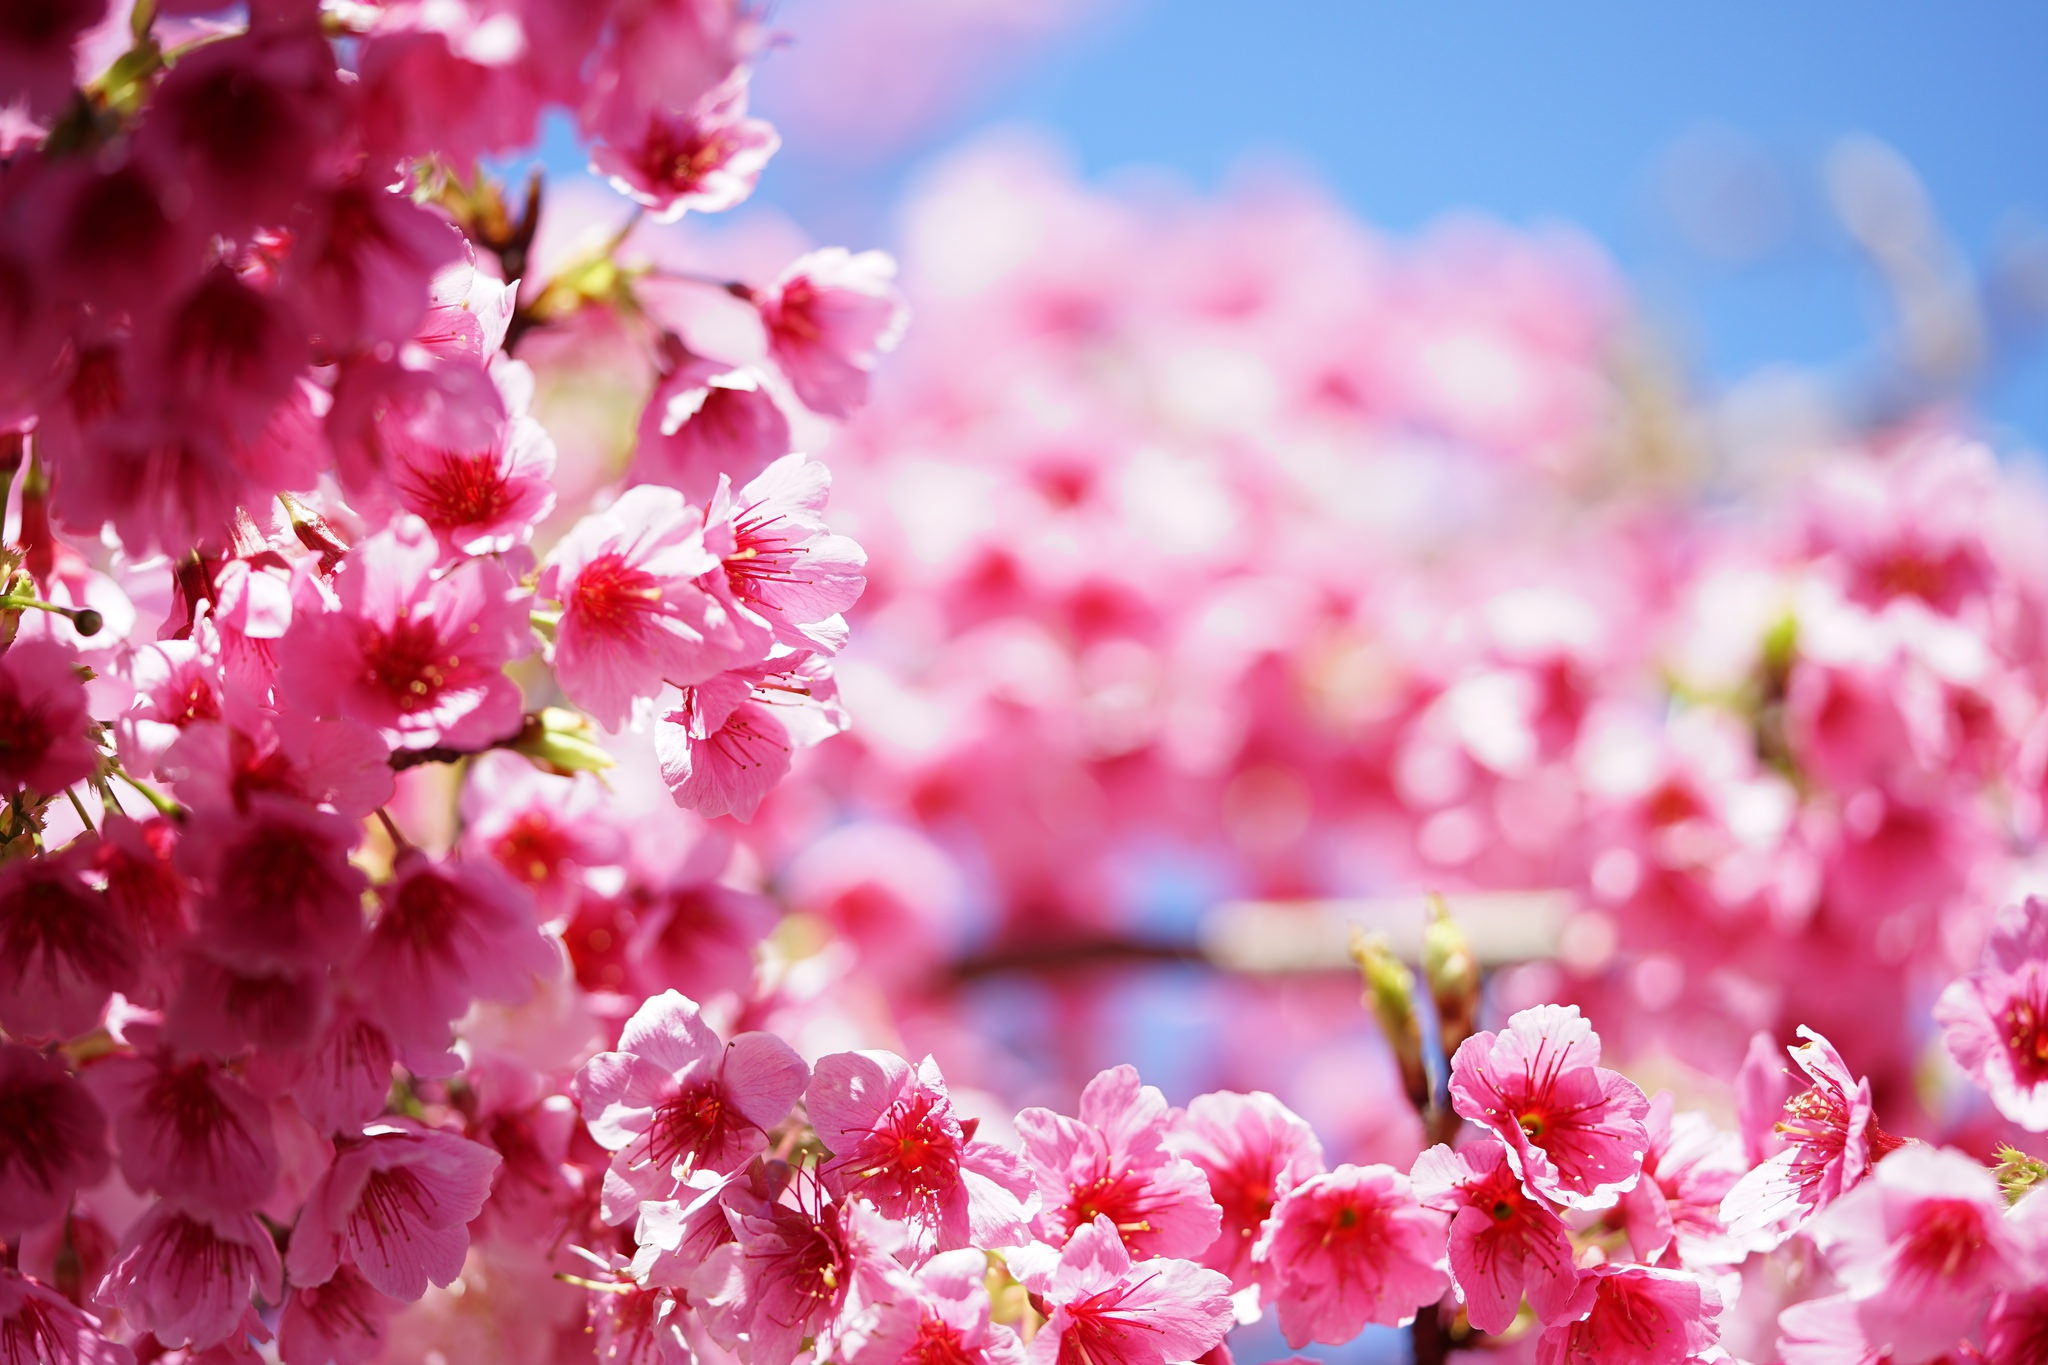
(1296, 564)
(412, 603)
(288, 560)
(1576, 1215)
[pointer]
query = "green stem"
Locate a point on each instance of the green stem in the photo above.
(79, 806)
(164, 805)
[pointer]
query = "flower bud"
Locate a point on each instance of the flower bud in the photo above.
(1390, 994)
(561, 741)
(1452, 972)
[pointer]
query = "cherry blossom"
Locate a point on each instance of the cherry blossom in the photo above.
(1253, 1150)
(896, 1143)
(394, 1205)
(1113, 1161)
(1503, 1243)
(672, 1099)
(1107, 1307)
(1352, 1246)
(830, 318)
(1573, 1130)
(1995, 1020)
(53, 1143)
(1832, 1142)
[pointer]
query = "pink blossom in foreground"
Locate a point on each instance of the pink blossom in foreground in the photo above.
(1995, 1020)
(343, 1319)
(1635, 1315)
(1832, 1141)
(1573, 1129)
(672, 1099)
(708, 419)
(1503, 1243)
(544, 830)
(63, 948)
(896, 1143)
(447, 933)
(806, 1274)
(2016, 1330)
(731, 738)
(1112, 1161)
(831, 316)
(1920, 1248)
(705, 158)
(781, 566)
(1107, 1308)
(43, 742)
(187, 1127)
(53, 1144)
(282, 892)
(633, 617)
(396, 1205)
(1349, 1247)
(1253, 1150)
(485, 499)
(1673, 1215)
(420, 656)
(41, 1327)
(187, 1276)
(943, 1316)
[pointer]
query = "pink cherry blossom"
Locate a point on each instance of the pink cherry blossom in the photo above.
(187, 1276)
(2016, 1329)
(447, 933)
(1832, 1141)
(782, 566)
(485, 499)
(41, 1327)
(1635, 1315)
(696, 933)
(944, 1316)
(223, 1007)
(43, 742)
(831, 317)
(1673, 1215)
(1253, 1150)
(1503, 1243)
(1105, 1307)
(707, 418)
(342, 1319)
(279, 888)
(1920, 1248)
(808, 1274)
(544, 830)
(732, 737)
(345, 1077)
(53, 1143)
(1349, 1247)
(64, 948)
(395, 1205)
(633, 617)
(364, 266)
(1995, 1020)
(36, 49)
(418, 655)
(705, 158)
(1114, 1160)
(187, 1127)
(1573, 1129)
(672, 1099)
(895, 1142)
(241, 126)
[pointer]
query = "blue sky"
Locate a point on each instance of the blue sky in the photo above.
(1568, 110)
